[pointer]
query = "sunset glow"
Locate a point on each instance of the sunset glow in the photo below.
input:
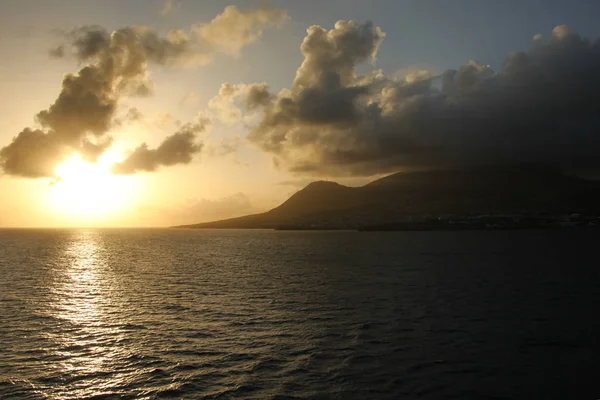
(89, 190)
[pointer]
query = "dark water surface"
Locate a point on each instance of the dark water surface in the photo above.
(264, 314)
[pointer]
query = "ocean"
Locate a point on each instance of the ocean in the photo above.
(166, 313)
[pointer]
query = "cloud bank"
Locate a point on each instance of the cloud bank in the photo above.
(541, 107)
(117, 65)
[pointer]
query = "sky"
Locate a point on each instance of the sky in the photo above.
(155, 113)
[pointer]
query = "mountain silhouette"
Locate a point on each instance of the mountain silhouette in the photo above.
(524, 190)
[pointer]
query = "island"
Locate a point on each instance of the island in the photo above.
(512, 197)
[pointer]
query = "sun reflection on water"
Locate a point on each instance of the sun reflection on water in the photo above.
(85, 297)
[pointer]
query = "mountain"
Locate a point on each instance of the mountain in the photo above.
(420, 195)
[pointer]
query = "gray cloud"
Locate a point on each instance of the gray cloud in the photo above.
(179, 148)
(541, 107)
(176, 48)
(117, 65)
(258, 95)
(33, 153)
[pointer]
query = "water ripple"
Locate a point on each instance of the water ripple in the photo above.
(149, 314)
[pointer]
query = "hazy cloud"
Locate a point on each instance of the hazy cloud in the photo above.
(199, 210)
(296, 183)
(233, 29)
(190, 98)
(210, 210)
(222, 105)
(166, 121)
(133, 115)
(57, 52)
(223, 146)
(179, 148)
(169, 7)
(541, 107)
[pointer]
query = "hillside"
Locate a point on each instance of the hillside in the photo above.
(417, 195)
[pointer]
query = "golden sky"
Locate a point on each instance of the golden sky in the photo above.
(155, 113)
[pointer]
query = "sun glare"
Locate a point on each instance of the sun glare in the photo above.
(88, 190)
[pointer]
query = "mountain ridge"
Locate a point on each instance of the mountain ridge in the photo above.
(425, 194)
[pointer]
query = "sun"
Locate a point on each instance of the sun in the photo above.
(87, 190)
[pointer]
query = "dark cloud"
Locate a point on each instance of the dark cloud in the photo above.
(541, 107)
(179, 148)
(258, 95)
(32, 154)
(89, 42)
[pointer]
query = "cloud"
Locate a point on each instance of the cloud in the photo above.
(258, 95)
(227, 33)
(198, 210)
(134, 115)
(83, 112)
(190, 98)
(179, 148)
(233, 29)
(166, 121)
(222, 105)
(32, 154)
(57, 52)
(227, 107)
(541, 107)
(210, 210)
(175, 48)
(296, 183)
(116, 65)
(169, 7)
(223, 146)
